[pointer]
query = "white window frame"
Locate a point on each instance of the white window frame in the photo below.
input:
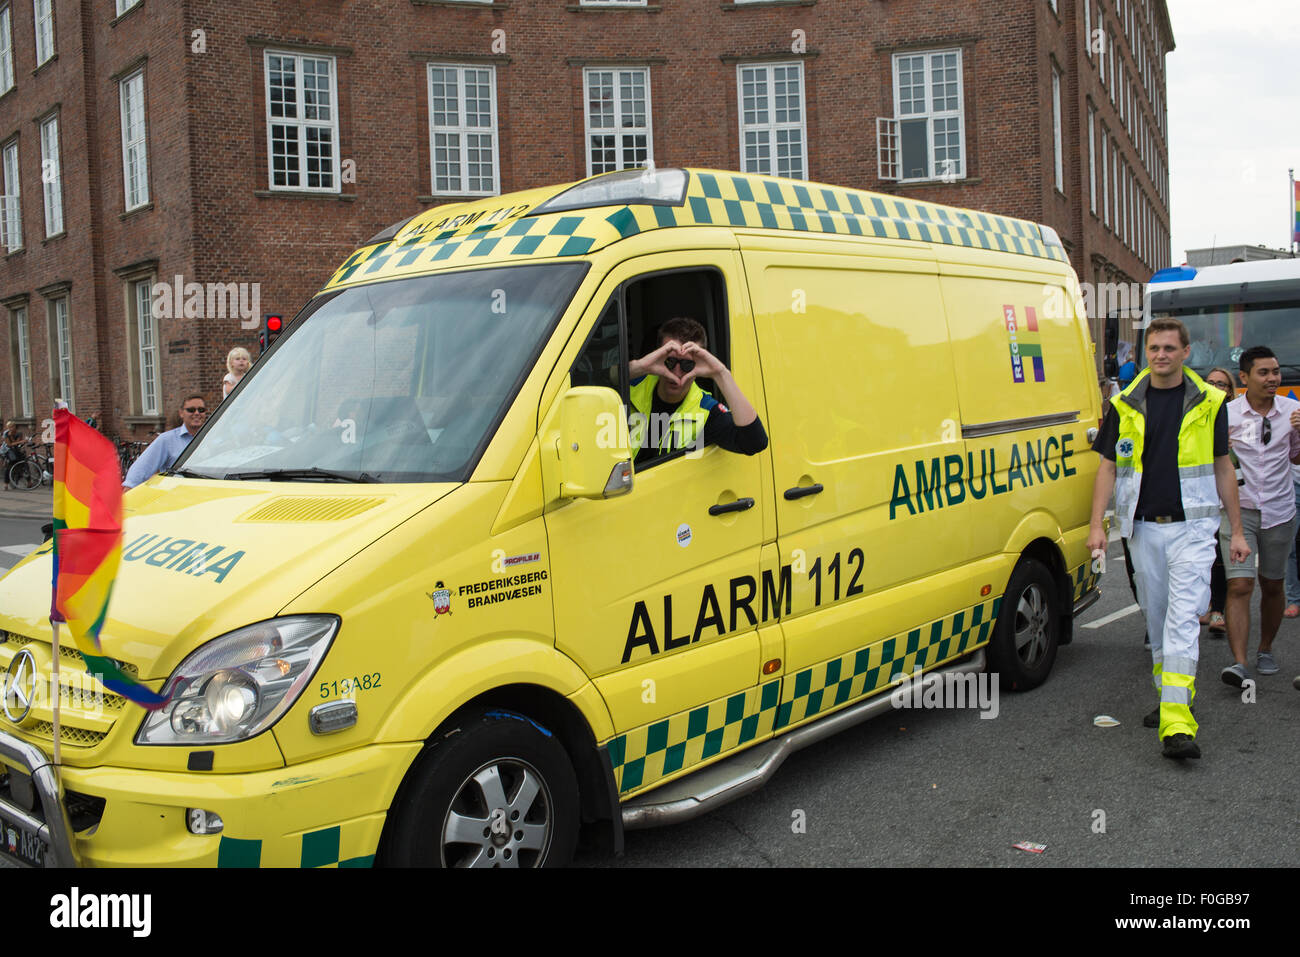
(6, 49)
(931, 116)
(463, 131)
(23, 341)
(43, 19)
(1056, 128)
(125, 5)
(1104, 53)
(52, 176)
(1110, 46)
(618, 130)
(1105, 176)
(301, 124)
(135, 149)
(608, 3)
(772, 128)
(13, 197)
(1092, 157)
(146, 340)
(62, 357)
(1087, 29)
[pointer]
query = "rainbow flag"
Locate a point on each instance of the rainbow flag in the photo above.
(1296, 238)
(88, 546)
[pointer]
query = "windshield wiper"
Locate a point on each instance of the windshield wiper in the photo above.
(186, 473)
(276, 475)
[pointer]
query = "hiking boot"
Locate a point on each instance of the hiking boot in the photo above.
(1180, 746)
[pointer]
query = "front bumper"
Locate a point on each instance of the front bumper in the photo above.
(328, 812)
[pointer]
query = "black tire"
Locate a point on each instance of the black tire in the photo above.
(446, 796)
(25, 475)
(1028, 630)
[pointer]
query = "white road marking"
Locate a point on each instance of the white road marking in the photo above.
(1113, 616)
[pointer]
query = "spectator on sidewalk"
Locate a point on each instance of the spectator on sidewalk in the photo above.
(1264, 432)
(166, 449)
(237, 363)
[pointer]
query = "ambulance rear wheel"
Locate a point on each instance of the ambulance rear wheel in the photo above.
(1025, 638)
(497, 790)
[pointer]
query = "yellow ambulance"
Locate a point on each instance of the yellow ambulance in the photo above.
(415, 603)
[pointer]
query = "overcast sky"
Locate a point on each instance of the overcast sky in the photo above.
(1234, 121)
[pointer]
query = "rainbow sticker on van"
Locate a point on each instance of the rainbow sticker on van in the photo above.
(1025, 343)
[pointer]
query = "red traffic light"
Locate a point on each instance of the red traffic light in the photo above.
(274, 323)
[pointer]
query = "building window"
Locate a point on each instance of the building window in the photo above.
(135, 157)
(145, 336)
(1110, 47)
(1092, 158)
(773, 137)
(1103, 52)
(52, 176)
(6, 51)
(23, 362)
(618, 120)
(1087, 28)
(125, 5)
(1056, 128)
(613, 3)
(929, 115)
(463, 130)
(61, 351)
(44, 17)
(11, 206)
(1105, 176)
(302, 122)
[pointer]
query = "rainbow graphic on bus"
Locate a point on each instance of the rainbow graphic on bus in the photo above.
(1025, 343)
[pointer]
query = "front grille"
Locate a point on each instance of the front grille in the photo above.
(87, 712)
(84, 810)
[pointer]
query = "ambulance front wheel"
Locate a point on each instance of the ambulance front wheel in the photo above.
(496, 790)
(1025, 638)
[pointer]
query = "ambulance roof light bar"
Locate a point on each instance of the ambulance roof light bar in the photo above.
(634, 187)
(1050, 236)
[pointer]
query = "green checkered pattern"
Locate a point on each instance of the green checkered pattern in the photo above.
(713, 198)
(653, 751)
(829, 684)
(318, 849)
(645, 755)
(1084, 579)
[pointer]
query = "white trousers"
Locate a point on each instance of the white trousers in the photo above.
(1171, 569)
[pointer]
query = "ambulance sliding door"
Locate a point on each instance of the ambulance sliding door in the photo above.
(863, 422)
(1026, 387)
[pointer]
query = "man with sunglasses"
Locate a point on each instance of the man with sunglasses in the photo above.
(1262, 428)
(673, 412)
(166, 449)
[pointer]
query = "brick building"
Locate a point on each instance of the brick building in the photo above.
(171, 172)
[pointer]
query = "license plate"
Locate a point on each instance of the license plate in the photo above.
(20, 845)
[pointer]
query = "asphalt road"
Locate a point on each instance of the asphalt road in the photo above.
(947, 788)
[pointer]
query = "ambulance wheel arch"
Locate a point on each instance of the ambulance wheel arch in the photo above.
(1031, 621)
(536, 714)
(494, 788)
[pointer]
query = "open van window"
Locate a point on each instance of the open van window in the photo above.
(400, 381)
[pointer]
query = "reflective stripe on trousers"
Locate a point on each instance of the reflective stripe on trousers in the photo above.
(1171, 567)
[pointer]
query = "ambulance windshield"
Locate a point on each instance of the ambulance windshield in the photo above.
(399, 381)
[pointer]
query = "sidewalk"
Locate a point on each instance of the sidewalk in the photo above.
(38, 504)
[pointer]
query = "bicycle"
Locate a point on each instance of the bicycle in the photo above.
(33, 470)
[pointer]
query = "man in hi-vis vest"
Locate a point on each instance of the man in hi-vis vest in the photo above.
(672, 412)
(1164, 449)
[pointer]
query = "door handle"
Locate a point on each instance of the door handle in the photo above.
(739, 505)
(800, 491)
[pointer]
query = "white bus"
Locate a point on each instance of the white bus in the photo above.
(1228, 309)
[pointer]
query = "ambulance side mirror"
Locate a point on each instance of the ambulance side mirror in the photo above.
(1112, 336)
(595, 450)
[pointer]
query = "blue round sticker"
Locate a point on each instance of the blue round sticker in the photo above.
(1125, 448)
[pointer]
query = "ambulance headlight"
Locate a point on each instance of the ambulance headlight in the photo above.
(240, 684)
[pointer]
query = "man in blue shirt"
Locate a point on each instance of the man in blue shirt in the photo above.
(166, 449)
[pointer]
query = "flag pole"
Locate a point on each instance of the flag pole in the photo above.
(56, 691)
(1293, 214)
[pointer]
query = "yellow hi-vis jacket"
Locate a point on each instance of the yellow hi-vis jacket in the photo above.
(685, 424)
(1201, 405)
